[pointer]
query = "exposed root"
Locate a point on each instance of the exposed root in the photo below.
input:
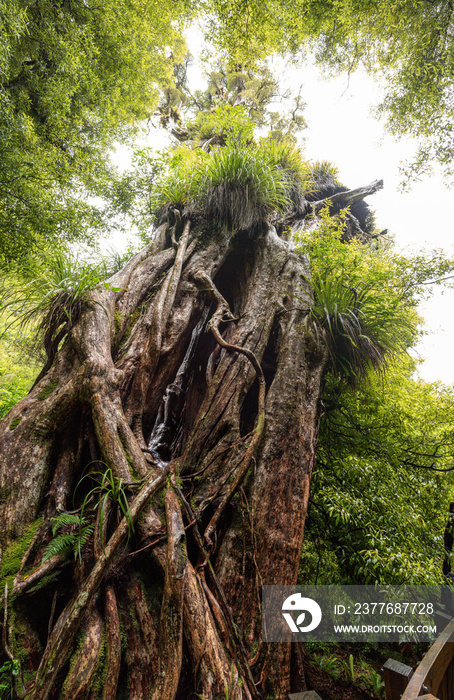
(219, 606)
(6, 648)
(218, 676)
(61, 640)
(105, 418)
(28, 551)
(112, 623)
(141, 643)
(86, 657)
(173, 230)
(223, 314)
(101, 526)
(62, 481)
(150, 354)
(170, 651)
(217, 614)
(20, 585)
(50, 624)
(253, 633)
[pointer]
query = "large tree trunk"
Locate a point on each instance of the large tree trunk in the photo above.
(198, 386)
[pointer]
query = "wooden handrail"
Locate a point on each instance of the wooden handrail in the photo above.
(431, 671)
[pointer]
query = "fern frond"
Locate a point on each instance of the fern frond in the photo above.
(64, 519)
(62, 544)
(65, 542)
(82, 538)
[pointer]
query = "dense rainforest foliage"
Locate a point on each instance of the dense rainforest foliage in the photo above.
(75, 78)
(193, 407)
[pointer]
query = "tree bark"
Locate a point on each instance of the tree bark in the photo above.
(199, 388)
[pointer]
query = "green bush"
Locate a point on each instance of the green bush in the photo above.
(378, 493)
(359, 311)
(378, 504)
(17, 369)
(45, 298)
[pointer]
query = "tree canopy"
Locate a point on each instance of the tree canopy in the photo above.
(407, 45)
(74, 78)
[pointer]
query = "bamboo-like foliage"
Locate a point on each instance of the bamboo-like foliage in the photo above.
(239, 185)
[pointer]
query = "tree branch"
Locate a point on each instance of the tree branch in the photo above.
(349, 197)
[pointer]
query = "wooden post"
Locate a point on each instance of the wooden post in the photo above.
(396, 676)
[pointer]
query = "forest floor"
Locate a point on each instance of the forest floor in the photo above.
(354, 671)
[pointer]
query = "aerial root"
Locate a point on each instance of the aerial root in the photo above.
(85, 663)
(113, 640)
(170, 650)
(222, 314)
